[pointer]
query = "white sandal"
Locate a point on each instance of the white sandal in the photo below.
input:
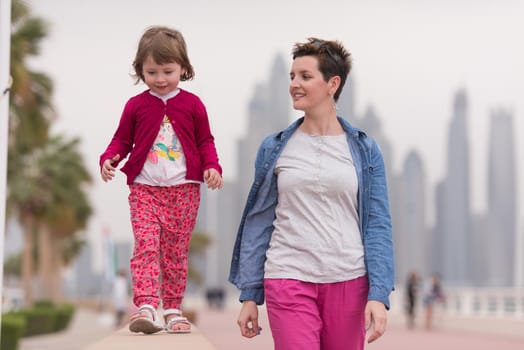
(177, 320)
(145, 320)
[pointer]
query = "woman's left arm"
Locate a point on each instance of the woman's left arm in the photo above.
(378, 242)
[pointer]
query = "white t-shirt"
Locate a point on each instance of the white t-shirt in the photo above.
(317, 235)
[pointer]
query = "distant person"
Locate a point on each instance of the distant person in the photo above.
(165, 130)
(315, 237)
(215, 298)
(412, 285)
(120, 297)
(433, 294)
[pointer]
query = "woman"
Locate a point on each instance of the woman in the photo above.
(315, 237)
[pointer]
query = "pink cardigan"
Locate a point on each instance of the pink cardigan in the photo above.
(139, 126)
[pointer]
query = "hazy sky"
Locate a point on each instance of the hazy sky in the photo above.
(410, 57)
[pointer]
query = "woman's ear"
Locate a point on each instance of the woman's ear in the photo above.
(334, 83)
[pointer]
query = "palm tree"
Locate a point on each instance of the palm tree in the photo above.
(30, 115)
(31, 112)
(45, 176)
(50, 199)
(64, 177)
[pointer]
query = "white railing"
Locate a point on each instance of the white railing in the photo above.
(503, 303)
(486, 302)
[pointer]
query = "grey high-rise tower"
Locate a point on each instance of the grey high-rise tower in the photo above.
(410, 230)
(452, 231)
(269, 111)
(502, 201)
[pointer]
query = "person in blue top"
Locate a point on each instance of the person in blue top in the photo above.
(314, 241)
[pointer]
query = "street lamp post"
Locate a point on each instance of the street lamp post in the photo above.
(5, 50)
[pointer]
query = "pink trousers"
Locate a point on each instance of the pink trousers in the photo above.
(163, 219)
(314, 316)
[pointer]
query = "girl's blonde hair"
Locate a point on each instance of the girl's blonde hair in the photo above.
(164, 45)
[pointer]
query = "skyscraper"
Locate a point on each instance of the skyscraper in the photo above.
(452, 232)
(269, 112)
(502, 201)
(410, 229)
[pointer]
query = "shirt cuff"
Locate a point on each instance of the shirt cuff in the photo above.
(254, 294)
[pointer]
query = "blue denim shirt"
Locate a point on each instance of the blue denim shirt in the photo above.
(256, 225)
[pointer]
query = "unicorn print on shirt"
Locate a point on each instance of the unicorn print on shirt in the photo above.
(166, 145)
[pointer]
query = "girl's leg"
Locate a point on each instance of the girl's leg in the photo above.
(293, 314)
(144, 265)
(342, 308)
(178, 220)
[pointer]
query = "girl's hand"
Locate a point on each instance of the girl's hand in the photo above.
(213, 179)
(248, 319)
(108, 170)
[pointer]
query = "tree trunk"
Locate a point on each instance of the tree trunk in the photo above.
(56, 273)
(45, 262)
(27, 259)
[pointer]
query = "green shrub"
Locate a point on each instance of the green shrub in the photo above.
(43, 303)
(45, 318)
(13, 327)
(39, 320)
(64, 314)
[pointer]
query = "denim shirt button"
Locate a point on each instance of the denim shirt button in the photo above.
(371, 169)
(266, 165)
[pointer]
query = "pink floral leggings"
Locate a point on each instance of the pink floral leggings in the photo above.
(162, 219)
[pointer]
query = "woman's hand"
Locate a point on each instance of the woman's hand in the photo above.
(248, 319)
(376, 319)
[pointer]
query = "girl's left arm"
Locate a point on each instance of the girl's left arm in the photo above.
(205, 142)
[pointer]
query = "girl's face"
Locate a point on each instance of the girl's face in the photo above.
(307, 88)
(161, 78)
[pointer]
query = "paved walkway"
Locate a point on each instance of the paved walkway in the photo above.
(220, 329)
(123, 340)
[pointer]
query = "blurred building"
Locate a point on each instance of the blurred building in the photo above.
(410, 230)
(452, 234)
(268, 112)
(501, 234)
(86, 283)
(220, 213)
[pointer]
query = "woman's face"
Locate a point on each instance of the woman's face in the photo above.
(307, 88)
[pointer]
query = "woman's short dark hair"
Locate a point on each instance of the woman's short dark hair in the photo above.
(333, 59)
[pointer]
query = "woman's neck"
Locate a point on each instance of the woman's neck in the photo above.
(323, 124)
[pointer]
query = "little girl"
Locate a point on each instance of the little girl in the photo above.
(165, 130)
